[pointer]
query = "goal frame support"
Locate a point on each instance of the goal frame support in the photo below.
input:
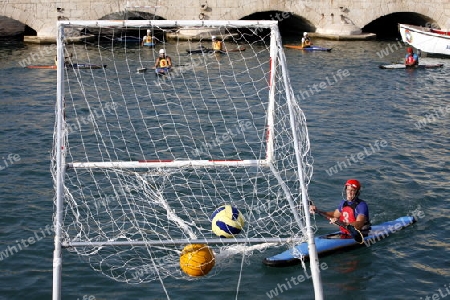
(60, 168)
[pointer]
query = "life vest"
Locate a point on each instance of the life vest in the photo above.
(307, 42)
(217, 45)
(148, 39)
(410, 60)
(348, 215)
(163, 63)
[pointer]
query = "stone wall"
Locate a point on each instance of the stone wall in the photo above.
(327, 16)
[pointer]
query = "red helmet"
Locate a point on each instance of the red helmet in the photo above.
(354, 184)
(410, 50)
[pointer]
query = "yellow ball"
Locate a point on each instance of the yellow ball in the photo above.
(227, 221)
(197, 260)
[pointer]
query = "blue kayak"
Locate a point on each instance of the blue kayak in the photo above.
(333, 242)
(128, 39)
(149, 44)
(162, 71)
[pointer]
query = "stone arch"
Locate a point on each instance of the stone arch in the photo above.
(131, 15)
(386, 27)
(11, 28)
(289, 23)
(15, 28)
(32, 25)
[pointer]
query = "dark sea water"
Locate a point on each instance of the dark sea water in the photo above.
(397, 121)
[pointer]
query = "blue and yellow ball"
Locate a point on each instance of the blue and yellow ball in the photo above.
(197, 260)
(227, 221)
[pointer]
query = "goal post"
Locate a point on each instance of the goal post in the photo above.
(143, 157)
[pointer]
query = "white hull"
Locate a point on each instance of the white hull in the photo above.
(425, 40)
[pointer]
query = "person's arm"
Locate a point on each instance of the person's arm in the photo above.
(362, 213)
(157, 62)
(169, 62)
(360, 221)
(334, 215)
(330, 214)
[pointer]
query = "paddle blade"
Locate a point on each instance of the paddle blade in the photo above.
(356, 234)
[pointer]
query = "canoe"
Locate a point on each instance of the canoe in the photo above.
(311, 48)
(334, 242)
(402, 66)
(208, 50)
(72, 66)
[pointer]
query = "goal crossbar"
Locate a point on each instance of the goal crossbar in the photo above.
(168, 23)
(168, 164)
(68, 244)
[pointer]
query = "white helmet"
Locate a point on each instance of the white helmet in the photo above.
(148, 30)
(162, 51)
(213, 37)
(305, 33)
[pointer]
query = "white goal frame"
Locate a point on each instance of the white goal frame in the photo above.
(61, 166)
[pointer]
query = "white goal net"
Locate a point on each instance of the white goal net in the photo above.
(141, 160)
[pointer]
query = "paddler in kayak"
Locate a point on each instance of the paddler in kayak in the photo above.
(352, 210)
(411, 58)
(148, 39)
(66, 60)
(217, 45)
(164, 61)
(306, 40)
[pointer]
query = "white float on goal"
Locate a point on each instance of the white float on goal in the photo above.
(140, 161)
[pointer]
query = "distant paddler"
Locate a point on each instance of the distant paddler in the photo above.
(66, 60)
(411, 58)
(148, 39)
(163, 63)
(217, 45)
(306, 40)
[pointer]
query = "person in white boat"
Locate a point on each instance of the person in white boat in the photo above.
(306, 40)
(163, 61)
(411, 58)
(216, 44)
(352, 210)
(147, 38)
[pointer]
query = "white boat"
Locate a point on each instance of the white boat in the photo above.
(427, 40)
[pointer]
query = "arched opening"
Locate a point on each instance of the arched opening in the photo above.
(14, 30)
(29, 31)
(128, 34)
(386, 27)
(288, 23)
(131, 15)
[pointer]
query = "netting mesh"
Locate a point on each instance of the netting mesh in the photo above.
(220, 128)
